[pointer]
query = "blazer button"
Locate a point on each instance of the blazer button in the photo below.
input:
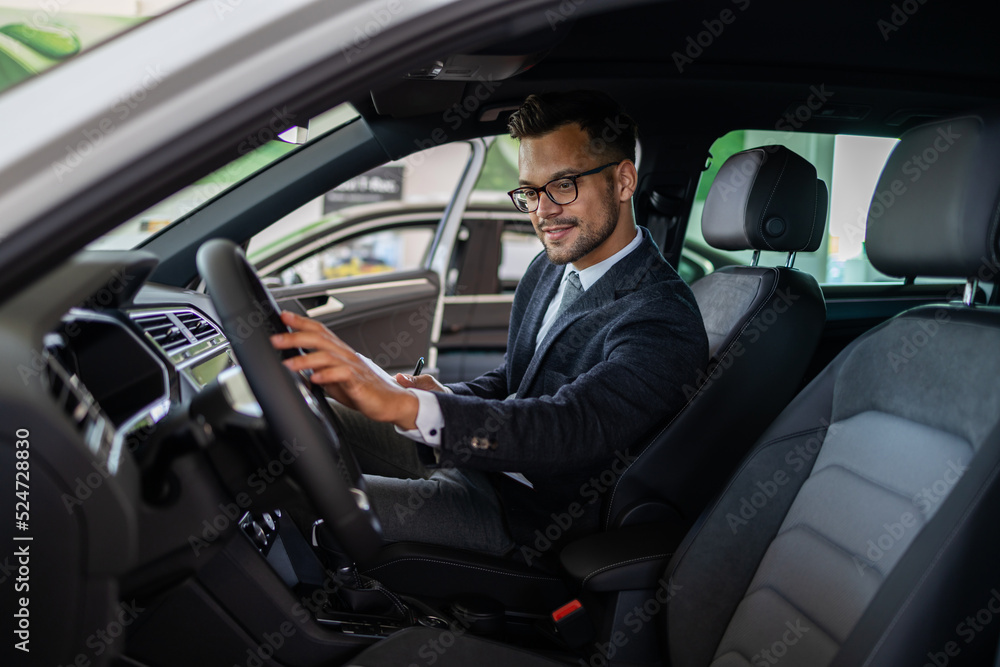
(482, 443)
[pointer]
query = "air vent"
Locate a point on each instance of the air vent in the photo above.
(200, 328)
(162, 330)
(184, 335)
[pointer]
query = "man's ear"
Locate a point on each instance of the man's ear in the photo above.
(628, 180)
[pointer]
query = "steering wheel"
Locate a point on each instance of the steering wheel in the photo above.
(327, 471)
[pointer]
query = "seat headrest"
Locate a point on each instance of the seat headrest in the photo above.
(766, 198)
(935, 209)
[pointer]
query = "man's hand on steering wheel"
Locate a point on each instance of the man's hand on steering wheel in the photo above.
(343, 374)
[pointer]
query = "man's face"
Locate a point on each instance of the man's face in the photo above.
(578, 232)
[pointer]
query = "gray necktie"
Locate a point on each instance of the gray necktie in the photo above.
(571, 292)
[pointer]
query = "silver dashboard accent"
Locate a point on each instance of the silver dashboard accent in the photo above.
(361, 498)
(238, 393)
(969, 296)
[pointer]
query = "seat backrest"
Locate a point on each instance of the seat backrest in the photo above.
(763, 326)
(861, 528)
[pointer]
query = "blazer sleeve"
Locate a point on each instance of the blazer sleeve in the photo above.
(492, 384)
(649, 355)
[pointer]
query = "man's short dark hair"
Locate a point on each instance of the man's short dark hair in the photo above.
(612, 132)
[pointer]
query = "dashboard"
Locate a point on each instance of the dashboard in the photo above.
(117, 372)
(141, 452)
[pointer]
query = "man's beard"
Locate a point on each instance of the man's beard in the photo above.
(587, 239)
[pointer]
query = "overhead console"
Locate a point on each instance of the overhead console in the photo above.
(442, 84)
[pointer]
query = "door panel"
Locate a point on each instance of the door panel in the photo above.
(491, 255)
(387, 317)
(473, 335)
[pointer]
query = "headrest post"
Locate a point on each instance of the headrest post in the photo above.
(971, 287)
(790, 262)
(756, 258)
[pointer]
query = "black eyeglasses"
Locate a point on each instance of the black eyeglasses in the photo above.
(563, 191)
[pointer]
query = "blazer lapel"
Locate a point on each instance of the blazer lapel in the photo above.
(621, 279)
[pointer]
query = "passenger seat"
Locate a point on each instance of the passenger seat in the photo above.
(763, 325)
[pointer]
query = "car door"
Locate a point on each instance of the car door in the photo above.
(366, 270)
(493, 249)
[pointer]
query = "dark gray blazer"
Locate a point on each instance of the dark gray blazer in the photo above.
(609, 371)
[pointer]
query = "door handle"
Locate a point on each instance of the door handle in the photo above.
(331, 306)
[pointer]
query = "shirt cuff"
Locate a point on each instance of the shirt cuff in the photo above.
(430, 421)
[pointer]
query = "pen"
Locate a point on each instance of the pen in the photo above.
(419, 367)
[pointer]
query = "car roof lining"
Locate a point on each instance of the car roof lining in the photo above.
(743, 80)
(757, 67)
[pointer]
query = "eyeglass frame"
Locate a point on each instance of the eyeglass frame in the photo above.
(573, 178)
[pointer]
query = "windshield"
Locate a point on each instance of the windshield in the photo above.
(36, 35)
(257, 153)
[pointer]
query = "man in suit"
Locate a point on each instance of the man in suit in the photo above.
(603, 336)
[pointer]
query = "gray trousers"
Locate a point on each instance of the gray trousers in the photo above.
(444, 506)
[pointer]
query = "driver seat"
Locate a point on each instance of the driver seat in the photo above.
(861, 527)
(757, 318)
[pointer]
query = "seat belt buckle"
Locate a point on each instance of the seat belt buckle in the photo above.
(572, 624)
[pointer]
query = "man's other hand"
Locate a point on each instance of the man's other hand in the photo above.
(427, 382)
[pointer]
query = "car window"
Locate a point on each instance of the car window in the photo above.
(518, 246)
(850, 165)
(36, 35)
(379, 221)
(382, 251)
